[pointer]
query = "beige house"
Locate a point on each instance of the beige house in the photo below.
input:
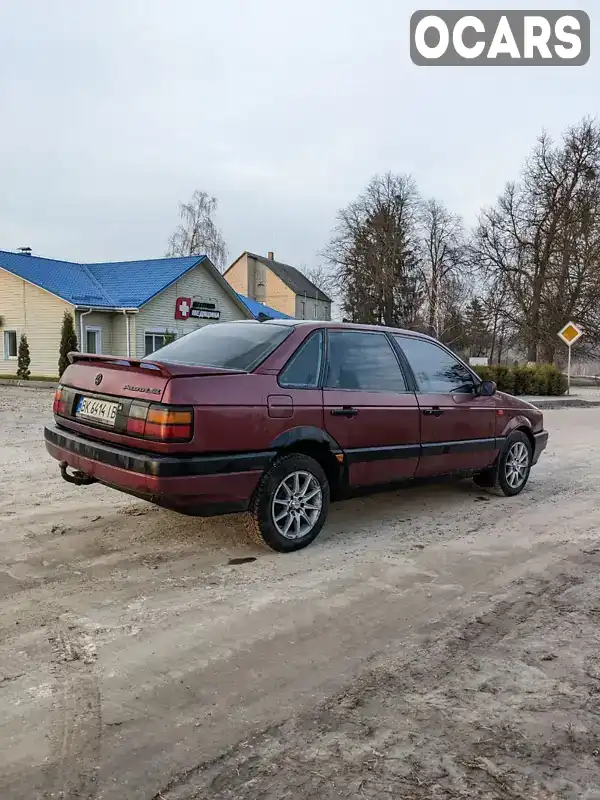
(122, 309)
(279, 285)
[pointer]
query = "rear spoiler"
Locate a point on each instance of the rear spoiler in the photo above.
(166, 370)
(118, 363)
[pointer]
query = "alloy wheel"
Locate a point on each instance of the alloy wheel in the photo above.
(517, 464)
(297, 504)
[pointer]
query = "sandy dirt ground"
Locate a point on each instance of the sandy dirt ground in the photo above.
(434, 642)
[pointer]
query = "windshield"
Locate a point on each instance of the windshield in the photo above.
(231, 345)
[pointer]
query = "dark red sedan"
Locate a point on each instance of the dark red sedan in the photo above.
(274, 418)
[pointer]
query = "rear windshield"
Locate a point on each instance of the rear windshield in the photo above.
(231, 345)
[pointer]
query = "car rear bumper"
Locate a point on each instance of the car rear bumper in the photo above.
(541, 442)
(198, 485)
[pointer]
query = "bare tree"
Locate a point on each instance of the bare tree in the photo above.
(541, 241)
(442, 258)
(198, 233)
(323, 278)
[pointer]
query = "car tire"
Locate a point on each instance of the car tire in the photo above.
(509, 477)
(284, 482)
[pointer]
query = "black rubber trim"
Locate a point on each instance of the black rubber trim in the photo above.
(367, 454)
(157, 465)
(463, 446)
(362, 454)
(305, 433)
(541, 442)
(189, 506)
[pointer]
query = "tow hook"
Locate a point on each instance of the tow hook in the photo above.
(78, 478)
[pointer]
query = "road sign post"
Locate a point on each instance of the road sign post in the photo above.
(569, 335)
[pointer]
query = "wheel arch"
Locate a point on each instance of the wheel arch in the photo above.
(519, 423)
(526, 429)
(318, 444)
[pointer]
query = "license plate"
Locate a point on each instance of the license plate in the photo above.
(97, 410)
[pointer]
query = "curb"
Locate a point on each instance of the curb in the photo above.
(29, 384)
(567, 402)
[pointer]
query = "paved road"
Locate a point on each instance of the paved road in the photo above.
(433, 642)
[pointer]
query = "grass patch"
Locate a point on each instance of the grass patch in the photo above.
(31, 378)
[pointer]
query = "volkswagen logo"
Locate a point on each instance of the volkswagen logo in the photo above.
(98, 379)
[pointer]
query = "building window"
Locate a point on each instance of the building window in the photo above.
(10, 344)
(316, 311)
(93, 340)
(153, 341)
(302, 310)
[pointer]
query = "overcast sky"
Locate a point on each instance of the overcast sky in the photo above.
(112, 112)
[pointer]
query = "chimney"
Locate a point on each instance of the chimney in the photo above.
(270, 256)
(26, 251)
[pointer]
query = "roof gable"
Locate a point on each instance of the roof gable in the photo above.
(292, 277)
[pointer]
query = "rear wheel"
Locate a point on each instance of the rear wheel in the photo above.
(290, 504)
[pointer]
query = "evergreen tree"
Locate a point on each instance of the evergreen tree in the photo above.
(68, 342)
(478, 329)
(374, 251)
(24, 360)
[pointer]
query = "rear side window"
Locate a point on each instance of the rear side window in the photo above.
(231, 345)
(304, 368)
(364, 361)
(436, 370)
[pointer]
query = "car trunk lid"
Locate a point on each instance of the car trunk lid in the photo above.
(128, 377)
(104, 396)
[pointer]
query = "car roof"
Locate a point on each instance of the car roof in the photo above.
(314, 324)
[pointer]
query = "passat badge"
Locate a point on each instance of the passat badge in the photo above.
(98, 379)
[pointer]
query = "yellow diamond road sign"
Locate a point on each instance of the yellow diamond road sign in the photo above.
(570, 333)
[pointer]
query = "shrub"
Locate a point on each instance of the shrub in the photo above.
(68, 342)
(541, 379)
(24, 359)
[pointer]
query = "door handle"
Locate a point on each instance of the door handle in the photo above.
(346, 411)
(436, 411)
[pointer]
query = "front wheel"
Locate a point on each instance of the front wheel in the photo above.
(290, 504)
(512, 472)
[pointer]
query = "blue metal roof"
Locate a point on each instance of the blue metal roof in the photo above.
(120, 284)
(256, 308)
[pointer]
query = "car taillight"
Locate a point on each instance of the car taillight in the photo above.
(161, 423)
(58, 406)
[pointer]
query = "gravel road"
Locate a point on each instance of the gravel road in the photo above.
(434, 642)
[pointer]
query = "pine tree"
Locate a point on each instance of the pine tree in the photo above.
(24, 359)
(68, 342)
(478, 330)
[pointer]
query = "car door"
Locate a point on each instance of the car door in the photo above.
(369, 409)
(457, 425)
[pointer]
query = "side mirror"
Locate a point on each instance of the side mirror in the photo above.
(487, 389)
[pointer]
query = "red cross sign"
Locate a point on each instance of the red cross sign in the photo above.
(183, 306)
